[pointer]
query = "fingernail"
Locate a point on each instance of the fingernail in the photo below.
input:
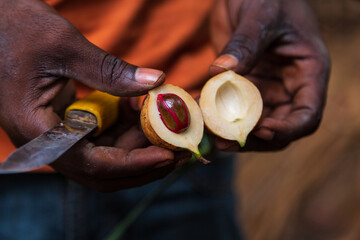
(226, 61)
(148, 75)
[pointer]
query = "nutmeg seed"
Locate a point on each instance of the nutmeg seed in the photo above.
(173, 112)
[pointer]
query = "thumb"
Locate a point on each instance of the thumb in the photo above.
(97, 69)
(252, 35)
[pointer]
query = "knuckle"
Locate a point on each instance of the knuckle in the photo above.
(315, 121)
(324, 65)
(325, 58)
(243, 48)
(128, 160)
(321, 58)
(90, 166)
(248, 56)
(115, 71)
(93, 170)
(311, 120)
(108, 65)
(240, 44)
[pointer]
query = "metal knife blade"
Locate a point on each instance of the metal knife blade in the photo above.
(44, 149)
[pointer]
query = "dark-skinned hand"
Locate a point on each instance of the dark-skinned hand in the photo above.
(120, 158)
(40, 51)
(275, 44)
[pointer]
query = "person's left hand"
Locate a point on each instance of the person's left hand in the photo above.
(276, 45)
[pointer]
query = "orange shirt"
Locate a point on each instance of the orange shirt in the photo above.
(170, 35)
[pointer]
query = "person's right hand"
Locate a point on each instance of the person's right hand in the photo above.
(40, 51)
(277, 45)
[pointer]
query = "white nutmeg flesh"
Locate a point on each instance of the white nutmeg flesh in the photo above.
(231, 106)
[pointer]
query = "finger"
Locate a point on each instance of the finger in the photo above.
(253, 34)
(131, 139)
(98, 69)
(111, 185)
(182, 157)
(135, 103)
(253, 143)
(262, 131)
(108, 162)
(226, 145)
(128, 117)
(130, 182)
(64, 98)
(292, 120)
(298, 123)
(272, 91)
(307, 85)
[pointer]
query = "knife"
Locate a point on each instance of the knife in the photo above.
(90, 115)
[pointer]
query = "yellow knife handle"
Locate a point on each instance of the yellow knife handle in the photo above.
(103, 106)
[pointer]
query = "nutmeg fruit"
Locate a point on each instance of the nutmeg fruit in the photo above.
(171, 118)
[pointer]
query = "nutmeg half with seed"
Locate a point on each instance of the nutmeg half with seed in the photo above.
(171, 118)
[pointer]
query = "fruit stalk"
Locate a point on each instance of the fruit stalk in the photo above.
(200, 158)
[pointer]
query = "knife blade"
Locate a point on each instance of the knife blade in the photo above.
(88, 116)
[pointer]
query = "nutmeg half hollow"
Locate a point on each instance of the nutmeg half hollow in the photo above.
(231, 106)
(172, 119)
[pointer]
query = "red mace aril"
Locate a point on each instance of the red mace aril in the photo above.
(173, 112)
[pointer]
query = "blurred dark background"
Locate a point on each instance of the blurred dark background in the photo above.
(311, 190)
